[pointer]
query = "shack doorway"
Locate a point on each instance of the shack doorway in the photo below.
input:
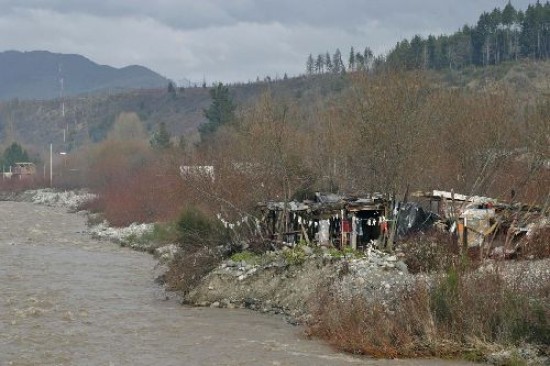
(368, 227)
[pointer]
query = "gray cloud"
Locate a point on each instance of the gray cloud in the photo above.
(227, 40)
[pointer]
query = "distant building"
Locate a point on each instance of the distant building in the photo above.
(24, 170)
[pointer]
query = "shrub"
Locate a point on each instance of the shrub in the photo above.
(189, 267)
(432, 251)
(196, 229)
(246, 256)
(335, 253)
(200, 238)
(295, 256)
(164, 233)
(373, 328)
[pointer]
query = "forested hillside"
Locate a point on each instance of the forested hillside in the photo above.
(500, 36)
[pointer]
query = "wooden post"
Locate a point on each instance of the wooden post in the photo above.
(393, 225)
(353, 233)
(304, 233)
(342, 233)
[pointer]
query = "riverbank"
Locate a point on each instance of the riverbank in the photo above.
(332, 295)
(133, 236)
(295, 281)
(271, 283)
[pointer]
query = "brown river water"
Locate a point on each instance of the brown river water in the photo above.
(66, 299)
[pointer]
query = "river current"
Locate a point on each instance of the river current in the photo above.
(66, 299)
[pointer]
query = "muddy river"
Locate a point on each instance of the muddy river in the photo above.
(66, 299)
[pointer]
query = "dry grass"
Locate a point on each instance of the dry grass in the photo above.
(457, 313)
(17, 185)
(430, 251)
(537, 245)
(189, 267)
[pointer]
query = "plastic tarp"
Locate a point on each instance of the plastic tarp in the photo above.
(413, 218)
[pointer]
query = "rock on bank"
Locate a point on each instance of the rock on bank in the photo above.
(278, 287)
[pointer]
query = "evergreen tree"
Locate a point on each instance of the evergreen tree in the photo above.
(351, 59)
(359, 61)
(319, 64)
(535, 33)
(445, 51)
(417, 53)
(14, 154)
(431, 49)
(337, 63)
(161, 138)
(461, 47)
(368, 55)
(495, 22)
(328, 62)
(171, 88)
(509, 15)
(509, 20)
(479, 39)
(310, 65)
(221, 110)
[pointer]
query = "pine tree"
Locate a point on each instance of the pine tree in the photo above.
(351, 59)
(14, 154)
(359, 61)
(369, 57)
(221, 110)
(431, 49)
(161, 138)
(328, 62)
(310, 65)
(417, 52)
(509, 19)
(337, 63)
(171, 88)
(319, 64)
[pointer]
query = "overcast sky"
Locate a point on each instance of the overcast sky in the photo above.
(226, 40)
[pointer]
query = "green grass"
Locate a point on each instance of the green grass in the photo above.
(247, 257)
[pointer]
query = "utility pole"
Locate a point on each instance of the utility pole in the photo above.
(51, 162)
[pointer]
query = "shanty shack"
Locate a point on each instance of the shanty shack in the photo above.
(479, 223)
(482, 222)
(328, 220)
(24, 170)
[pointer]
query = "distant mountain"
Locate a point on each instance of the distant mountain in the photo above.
(37, 75)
